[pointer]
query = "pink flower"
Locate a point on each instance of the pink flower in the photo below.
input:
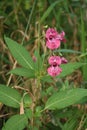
(54, 70)
(51, 32)
(52, 40)
(54, 60)
(61, 36)
(63, 60)
(53, 44)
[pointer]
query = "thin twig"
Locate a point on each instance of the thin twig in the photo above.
(81, 122)
(10, 77)
(5, 115)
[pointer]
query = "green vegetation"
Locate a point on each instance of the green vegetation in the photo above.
(30, 99)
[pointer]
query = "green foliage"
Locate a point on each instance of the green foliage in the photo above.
(29, 113)
(38, 64)
(71, 123)
(10, 96)
(68, 51)
(65, 98)
(83, 46)
(48, 11)
(23, 72)
(47, 78)
(17, 122)
(20, 53)
(69, 68)
(27, 100)
(72, 115)
(26, 22)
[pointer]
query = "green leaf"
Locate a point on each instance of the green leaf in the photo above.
(48, 11)
(20, 53)
(29, 113)
(47, 78)
(9, 96)
(23, 72)
(68, 51)
(65, 98)
(71, 123)
(17, 122)
(38, 65)
(27, 100)
(69, 68)
(83, 45)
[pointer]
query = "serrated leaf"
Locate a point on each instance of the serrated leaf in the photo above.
(20, 53)
(9, 96)
(17, 122)
(69, 68)
(65, 98)
(23, 72)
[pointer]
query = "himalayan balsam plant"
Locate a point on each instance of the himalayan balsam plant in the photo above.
(34, 106)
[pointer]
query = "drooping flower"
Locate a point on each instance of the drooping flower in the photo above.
(54, 70)
(51, 32)
(54, 60)
(63, 60)
(62, 34)
(53, 44)
(52, 40)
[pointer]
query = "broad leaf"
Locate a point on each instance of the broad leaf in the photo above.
(9, 96)
(23, 72)
(17, 122)
(65, 98)
(69, 68)
(20, 53)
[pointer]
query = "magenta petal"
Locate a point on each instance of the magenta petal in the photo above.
(54, 60)
(51, 32)
(61, 36)
(52, 41)
(53, 44)
(54, 71)
(63, 60)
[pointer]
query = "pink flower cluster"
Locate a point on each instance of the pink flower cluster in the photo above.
(53, 41)
(53, 38)
(55, 62)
